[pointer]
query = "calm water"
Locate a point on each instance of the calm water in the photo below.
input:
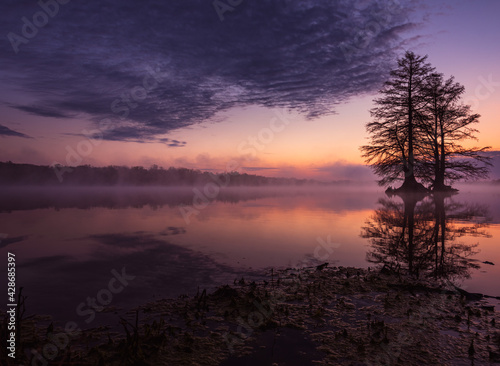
(67, 242)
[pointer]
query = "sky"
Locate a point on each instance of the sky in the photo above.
(275, 88)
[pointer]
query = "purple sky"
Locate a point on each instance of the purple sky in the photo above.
(184, 84)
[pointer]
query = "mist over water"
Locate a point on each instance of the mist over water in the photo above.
(31, 197)
(174, 240)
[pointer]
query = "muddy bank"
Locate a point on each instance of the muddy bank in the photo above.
(315, 316)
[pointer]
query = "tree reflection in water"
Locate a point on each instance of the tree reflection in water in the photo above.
(422, 235)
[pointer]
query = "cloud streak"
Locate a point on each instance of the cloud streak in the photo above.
(41, 111)
(96, 59)
(5, 131)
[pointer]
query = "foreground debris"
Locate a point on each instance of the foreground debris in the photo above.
(313, 316)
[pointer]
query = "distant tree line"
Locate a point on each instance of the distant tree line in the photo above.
(86, 175)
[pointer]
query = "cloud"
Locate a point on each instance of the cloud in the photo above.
(257, 168)
(5, 131)
(155, 66)
(41, 111)
(172, 143)
(130, 134)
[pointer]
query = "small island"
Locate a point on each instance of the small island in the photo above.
(419, 124)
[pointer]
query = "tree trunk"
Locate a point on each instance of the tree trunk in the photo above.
(410, 184)
(410, 203)
(410, 173)
(410, 217)
(439, 179)
(441, 231)
(436, 145)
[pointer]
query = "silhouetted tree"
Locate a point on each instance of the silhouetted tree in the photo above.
(446, 122)
(417, 129)
(393, 130)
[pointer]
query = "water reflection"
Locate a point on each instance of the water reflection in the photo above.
(422, 235)
(68, 241)
(30, 198)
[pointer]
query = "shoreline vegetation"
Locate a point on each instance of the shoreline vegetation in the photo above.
(86, 175)
(317, 315)
(17, 174)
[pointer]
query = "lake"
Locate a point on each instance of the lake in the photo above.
(126, 246)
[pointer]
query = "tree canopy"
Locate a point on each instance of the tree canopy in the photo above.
(417, 127)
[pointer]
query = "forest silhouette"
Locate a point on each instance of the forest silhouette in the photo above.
(86, 175)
